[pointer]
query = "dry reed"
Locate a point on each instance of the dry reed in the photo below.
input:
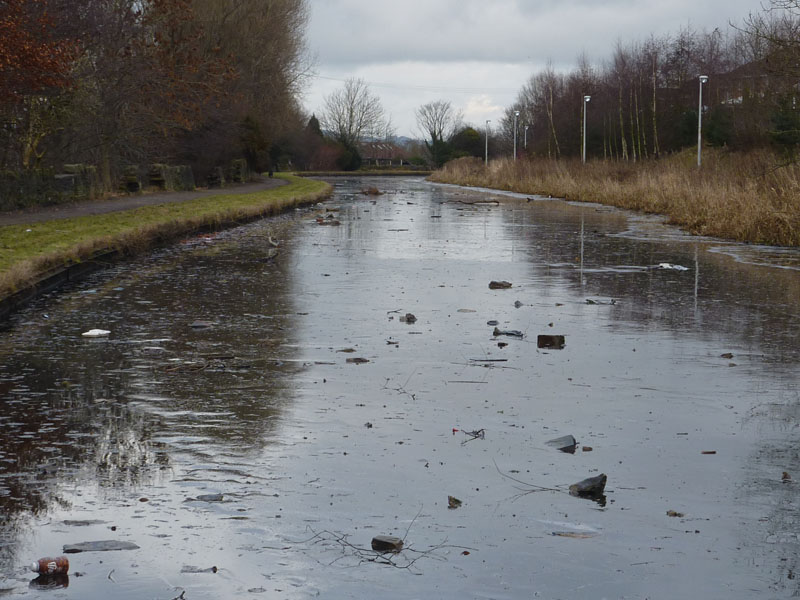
(743, 197)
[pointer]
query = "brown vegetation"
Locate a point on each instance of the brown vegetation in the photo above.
(136, 82)
(742, 197)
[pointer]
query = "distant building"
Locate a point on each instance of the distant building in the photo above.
(382, 154)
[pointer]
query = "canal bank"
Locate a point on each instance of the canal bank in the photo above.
(43, 249)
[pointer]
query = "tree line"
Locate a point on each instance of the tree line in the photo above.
(113, 83)
(644, 100)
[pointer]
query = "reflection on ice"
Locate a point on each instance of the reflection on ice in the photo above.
(766, 256)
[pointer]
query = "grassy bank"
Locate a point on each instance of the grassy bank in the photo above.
(28, 252)
(742, 197)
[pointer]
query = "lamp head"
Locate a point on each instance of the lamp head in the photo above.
(587, 98)
(703, 78)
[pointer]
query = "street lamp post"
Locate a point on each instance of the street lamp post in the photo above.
(526, 136)
(703, 79)
(585, 102)
(516, 116)
(487, 141)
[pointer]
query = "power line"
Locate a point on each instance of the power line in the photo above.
(429, 88)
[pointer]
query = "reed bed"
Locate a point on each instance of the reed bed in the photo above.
(752, 197)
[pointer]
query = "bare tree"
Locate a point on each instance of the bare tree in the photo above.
(777, 32)
(353, 112)
(438, 121)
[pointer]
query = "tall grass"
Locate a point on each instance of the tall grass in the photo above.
(30, 252)
(742, 197)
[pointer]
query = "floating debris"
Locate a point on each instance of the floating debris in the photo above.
(509, 332)
(100, 546)
(667, 267)
(193, 569)
(566, 444)
(96, 333)
(499, 285)
(553, 342)
(591, 488)
(387, 543)
(578, 535)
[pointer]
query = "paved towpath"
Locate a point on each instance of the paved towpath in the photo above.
(119, 203)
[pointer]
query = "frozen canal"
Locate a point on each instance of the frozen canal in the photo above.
(250, 424)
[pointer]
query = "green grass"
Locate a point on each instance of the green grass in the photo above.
(28, 252)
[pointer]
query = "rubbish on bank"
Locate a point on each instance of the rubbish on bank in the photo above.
(509, 332)
(708, 452)
(566, 444)
(493, 323)
(100, 546)
(408, 318)
(786, 477)
(357, 360)
(517, 304)
(727, 355)
(591, 487)
(387, 543)
(499, 285)
(96, 333)
(553, 342)
(58, 565)
(674, 513)
(587, 449)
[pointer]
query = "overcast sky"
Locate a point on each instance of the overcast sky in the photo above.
(479, 53)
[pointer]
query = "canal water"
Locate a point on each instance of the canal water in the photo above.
(250, 423)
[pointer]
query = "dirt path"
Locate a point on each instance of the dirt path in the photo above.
(80, 209)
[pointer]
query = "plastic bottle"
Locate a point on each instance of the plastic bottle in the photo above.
(51, 566)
